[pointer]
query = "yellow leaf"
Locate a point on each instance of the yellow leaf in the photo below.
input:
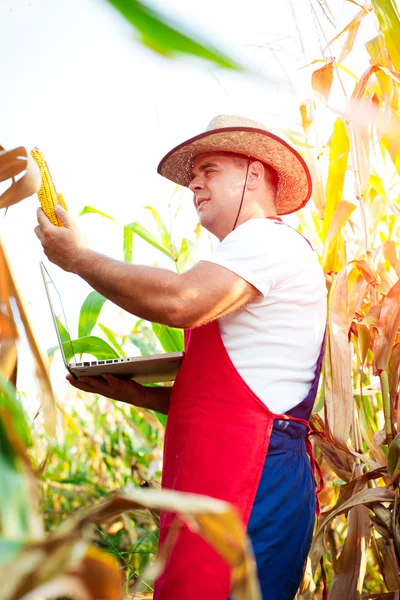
(379, 56)
(340, 147)
(334, 251)
(389, 24)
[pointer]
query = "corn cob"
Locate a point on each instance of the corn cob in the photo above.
(47, 194)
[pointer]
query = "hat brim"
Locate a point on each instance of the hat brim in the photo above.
(294, 187)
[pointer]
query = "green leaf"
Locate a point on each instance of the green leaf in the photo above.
(162, 230)
(51, 351)
(112, 339)
(166, 39)
(184, 254)
(89, 209)
(162, 418)
(92, 345)
(9, 401)
(149, 238)
(128, 245)
(10, 549)
(143, 343)
(389, 23)
(134, 227)
(64, 335)
(170, 338)
(14, 483)
(90, 311)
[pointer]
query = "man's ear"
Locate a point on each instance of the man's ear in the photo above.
(256, 175)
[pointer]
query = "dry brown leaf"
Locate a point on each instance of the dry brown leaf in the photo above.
(99, 574)
(339, 404)
(351, 29)
(351, 565)
(12, 163)
(364, 497)
(387, 328)
(389, 563)
(322, 79)
(361, 87)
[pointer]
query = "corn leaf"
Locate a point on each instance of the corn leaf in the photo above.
(361, 87)
(128, 245)
(39, 566)
(389, 23)
(184, 255)
(162, 230)
(112, 339)
(133, 228)
(389, 567)
(387, 328)
(9, 549)
(334, 250)
(89, 313)
(351, 565)
(166, 39)
(48, 401)
(340, 146)
(142, 232)
(92, 345)
(351, 29)
(15, 514)
(322, 79)
(338, 384)
(12, 163)
(363, 497)
(170, 338)
(90, 210)
(379, 55)
(143, 343)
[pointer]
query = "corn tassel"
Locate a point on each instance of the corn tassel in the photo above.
(47, 194)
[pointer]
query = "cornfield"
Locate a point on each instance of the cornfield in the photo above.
(79, 510)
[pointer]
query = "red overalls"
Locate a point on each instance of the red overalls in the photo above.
(216, 443)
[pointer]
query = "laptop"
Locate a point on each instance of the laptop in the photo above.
(155, 368)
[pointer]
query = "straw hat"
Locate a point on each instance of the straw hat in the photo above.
(229, 133)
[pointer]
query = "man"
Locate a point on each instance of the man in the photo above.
(254, 317)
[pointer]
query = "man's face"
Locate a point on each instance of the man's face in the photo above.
(217, 186)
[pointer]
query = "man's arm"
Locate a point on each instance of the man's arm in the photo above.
(204, 293)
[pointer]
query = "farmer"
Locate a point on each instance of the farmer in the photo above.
(254, 317)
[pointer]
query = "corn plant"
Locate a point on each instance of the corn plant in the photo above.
(353, 224)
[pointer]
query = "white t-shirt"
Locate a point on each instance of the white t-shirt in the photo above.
(274, 341)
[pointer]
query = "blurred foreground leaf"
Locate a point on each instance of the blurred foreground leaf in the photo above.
(167, 40)
(64, 563)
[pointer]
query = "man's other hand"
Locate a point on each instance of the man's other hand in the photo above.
(116, 388)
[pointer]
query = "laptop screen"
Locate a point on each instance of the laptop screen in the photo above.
(59, 317)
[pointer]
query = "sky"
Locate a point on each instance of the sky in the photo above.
(104, 110)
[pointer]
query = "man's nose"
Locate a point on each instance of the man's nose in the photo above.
(196, 184)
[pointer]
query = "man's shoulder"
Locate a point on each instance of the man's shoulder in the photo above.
(269, 232)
